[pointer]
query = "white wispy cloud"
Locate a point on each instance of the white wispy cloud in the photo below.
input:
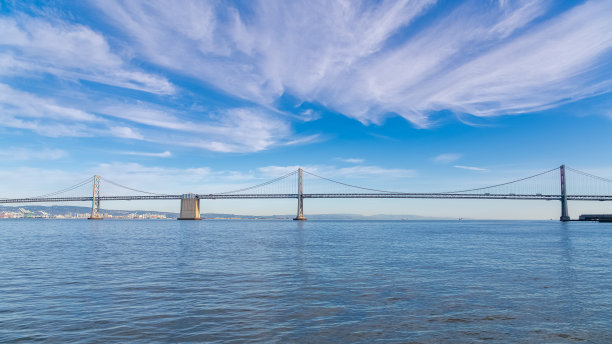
(363, 59)
(33, 45)
(247, 129)
(259, 57)
(164, 154)
(25, 104)
(228, 130)
(471, 168)
(124, 132)
(447, 158)
(302, 140)
(310, 115)
(23, 110)
(20, 153)
(240, 130)
(351, 160)
(348, 55)
(554, 63)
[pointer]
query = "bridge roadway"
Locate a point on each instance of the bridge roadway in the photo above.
(305, 195)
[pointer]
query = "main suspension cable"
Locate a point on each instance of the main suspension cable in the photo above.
(70, 188)
(258, 185)
(589, 175)
(350, 185)
(132, 189)
(502, 184)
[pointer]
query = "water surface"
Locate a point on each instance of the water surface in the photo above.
(311, 282)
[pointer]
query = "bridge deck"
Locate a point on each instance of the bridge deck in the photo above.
(344, 195)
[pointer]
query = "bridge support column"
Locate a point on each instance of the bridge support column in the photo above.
(190, 208)
(95, 200)
(300, 210)
(564, 215)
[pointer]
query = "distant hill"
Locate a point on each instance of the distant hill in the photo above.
(68, 209)
(62, 210)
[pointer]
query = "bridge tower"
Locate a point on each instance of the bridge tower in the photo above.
(564, 216)
(95, 200)
(300, 210)
(190, 207)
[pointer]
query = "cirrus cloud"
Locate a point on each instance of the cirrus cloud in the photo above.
(70, 51)
(447, 158)
(366, 60)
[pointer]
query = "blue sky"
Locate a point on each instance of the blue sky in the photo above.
(197, 96)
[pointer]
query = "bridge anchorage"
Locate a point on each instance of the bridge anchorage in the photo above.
(558, 184)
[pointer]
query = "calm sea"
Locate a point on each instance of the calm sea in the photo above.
(65, 281)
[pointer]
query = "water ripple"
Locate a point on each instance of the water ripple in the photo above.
(313, 282)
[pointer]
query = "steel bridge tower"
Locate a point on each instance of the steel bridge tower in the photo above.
(95, 200)
(564, 216)
(300, 196)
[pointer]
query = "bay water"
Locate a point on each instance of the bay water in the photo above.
(232, 281)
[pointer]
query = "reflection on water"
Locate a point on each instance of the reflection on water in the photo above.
(313, 281)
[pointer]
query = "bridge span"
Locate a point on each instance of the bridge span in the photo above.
(190, 203)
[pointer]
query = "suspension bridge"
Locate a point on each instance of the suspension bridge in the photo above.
(550, 185)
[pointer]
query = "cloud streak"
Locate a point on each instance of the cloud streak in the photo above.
(356, 59)
(23, 110)
(351, 160)
(447, 158)
(164, 154)
(20, 153)
(229, 130)
(72, 52)
(365, 60)
(471, 168)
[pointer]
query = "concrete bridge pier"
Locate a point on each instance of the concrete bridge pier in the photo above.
(190, 207)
